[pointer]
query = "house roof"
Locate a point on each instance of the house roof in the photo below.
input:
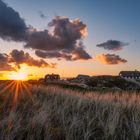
(52, 76)
(82, 76)
(130, 73)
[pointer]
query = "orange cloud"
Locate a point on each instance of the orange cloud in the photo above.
(4, 65)
(13, 61)
(20, 57)
(110, 59)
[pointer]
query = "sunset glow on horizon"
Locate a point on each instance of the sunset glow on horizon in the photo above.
(95, 38)
(69, 69)
(18, 76)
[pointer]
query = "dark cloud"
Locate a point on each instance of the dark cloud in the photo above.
(19, 57)
(80, 53)
(65, 35)
(77, 54)
(12, 26)
(42, 15)
(13, 61)
(110, 59)
(4, 63)
(63, 38)
(53, 54)
(63, 42)
(113, 45)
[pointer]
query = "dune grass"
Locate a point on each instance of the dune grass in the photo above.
(54, 113)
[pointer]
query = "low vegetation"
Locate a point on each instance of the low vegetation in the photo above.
(96, 83)
(54, 113)
(112, 82)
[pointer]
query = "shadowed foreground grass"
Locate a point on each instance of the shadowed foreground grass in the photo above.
(54, 113)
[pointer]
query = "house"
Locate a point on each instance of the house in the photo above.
(82, 78)
(130, 74)
(52, 77)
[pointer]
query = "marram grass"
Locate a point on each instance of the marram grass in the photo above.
(54, 113)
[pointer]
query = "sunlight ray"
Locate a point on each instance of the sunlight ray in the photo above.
(3, 84)
(21, 88)
(6, 88)
(11, 90)
(16, 91)
(26, 88)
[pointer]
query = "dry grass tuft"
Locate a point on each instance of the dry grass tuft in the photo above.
(54, 113)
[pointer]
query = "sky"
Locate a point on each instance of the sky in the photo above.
(93, 37)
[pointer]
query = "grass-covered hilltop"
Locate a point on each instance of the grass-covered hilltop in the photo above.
(40, 112)
(103, 83)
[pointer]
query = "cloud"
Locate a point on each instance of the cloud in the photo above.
(13, 61)
(110, 59)
(63, 42)
(53, 54)
(80, 53)
(12, 26)
(4, 65)
(42, 15)
(65, 35)
(76, 54)
(19, 57)
(112, 45)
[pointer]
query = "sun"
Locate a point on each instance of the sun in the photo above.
(18, 76)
